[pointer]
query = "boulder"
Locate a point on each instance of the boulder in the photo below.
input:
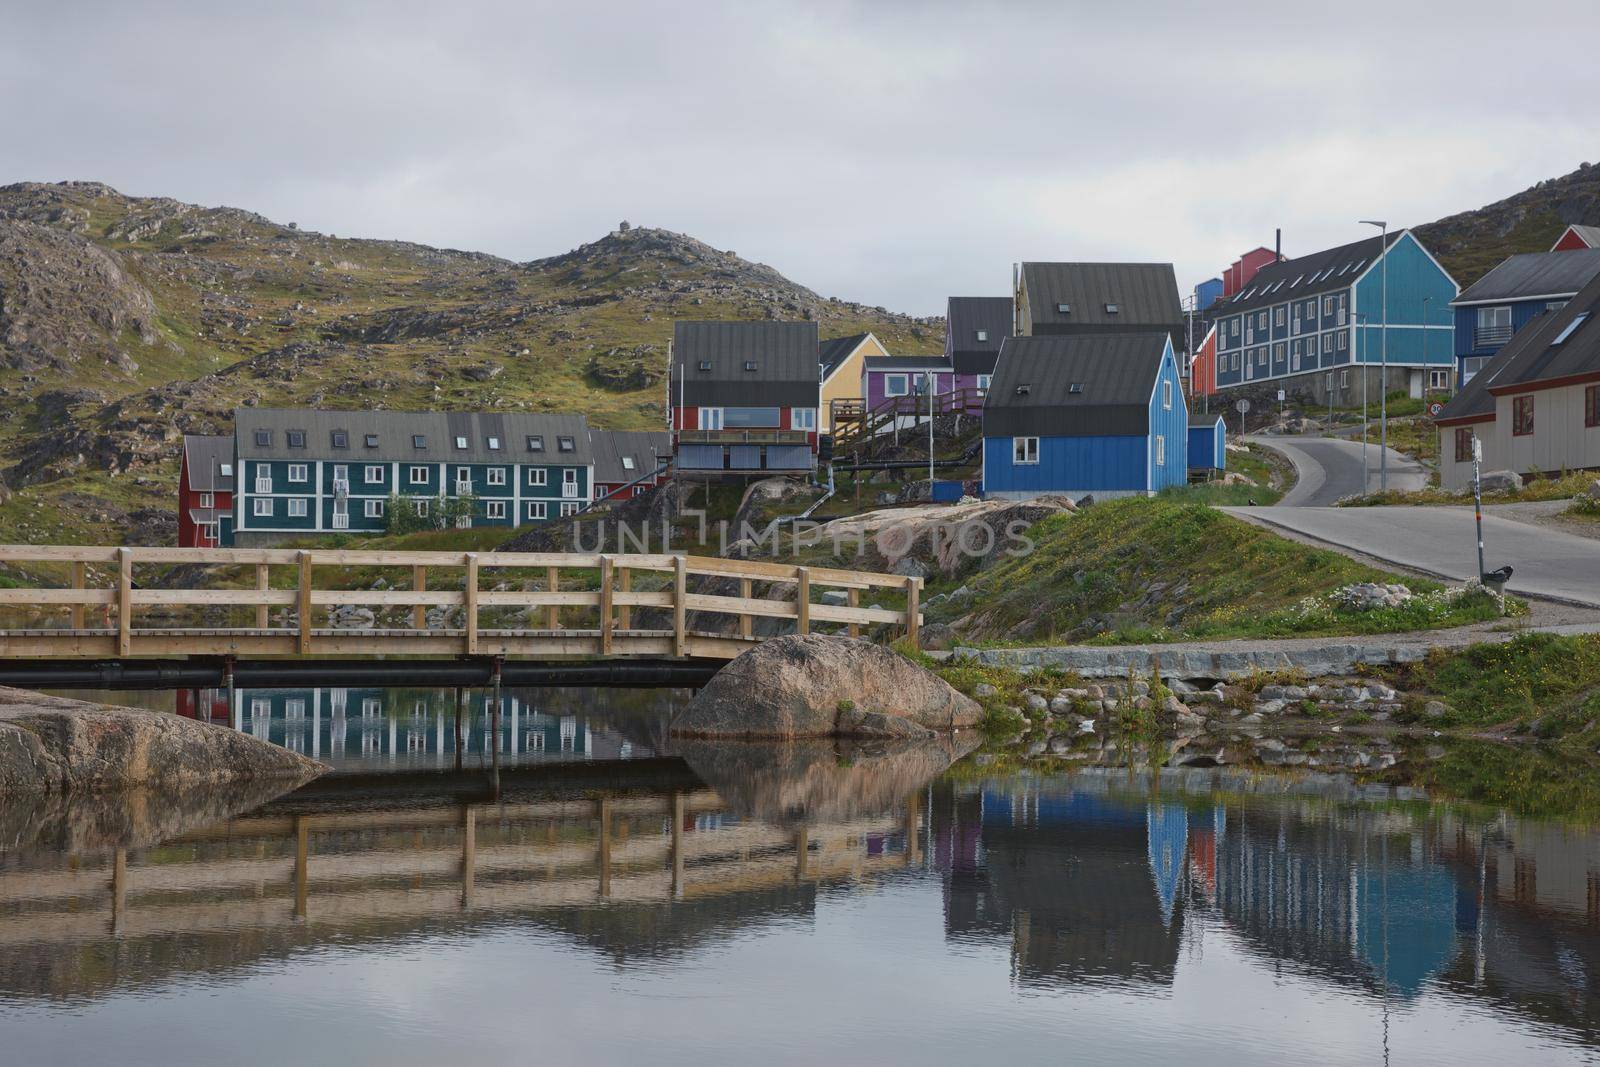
(799, 685)
(1501, 482)
(52, 744)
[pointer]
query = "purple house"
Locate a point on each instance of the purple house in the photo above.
(900, 383)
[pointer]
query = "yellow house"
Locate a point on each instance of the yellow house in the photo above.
(841, 360)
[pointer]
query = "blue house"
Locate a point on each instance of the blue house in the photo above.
(1506, 299)
(1089, 413)
(1208, 444)
(1314, 324)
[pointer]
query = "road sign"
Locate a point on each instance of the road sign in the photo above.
(1242, 406)
(1434, 408)
(1280, 396)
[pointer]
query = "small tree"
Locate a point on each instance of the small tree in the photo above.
(412, 514)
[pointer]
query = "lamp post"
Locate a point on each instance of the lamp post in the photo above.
(1358, 352)
(1383, 341)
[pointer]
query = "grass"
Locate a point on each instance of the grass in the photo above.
(1532, 675)
(1564, 487)
(1165, 570)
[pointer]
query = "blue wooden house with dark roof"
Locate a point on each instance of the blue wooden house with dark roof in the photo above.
(1208, 444)
(1493, 308)
(1100, 414)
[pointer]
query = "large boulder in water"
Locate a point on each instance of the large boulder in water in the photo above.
(810, 685)
(52, 744)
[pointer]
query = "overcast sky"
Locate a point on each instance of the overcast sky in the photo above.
(893, 153)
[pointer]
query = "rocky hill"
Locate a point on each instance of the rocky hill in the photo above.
(1471, 243)
(126, 322)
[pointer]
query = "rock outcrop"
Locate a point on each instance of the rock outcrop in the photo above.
(52, 744)
(811, 685)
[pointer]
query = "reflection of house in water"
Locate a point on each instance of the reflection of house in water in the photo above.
(1068, 877)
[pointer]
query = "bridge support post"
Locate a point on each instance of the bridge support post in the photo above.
(77, 584)
(747, 589)
(304, 601)
(262, 584)
(853, 599)
(803, 600)
(419, 583)
(606, 611)
(471, 599)
(124, 601)
(233, 697)
(913, 625)
(680, 593)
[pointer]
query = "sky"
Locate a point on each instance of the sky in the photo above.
(891, 152)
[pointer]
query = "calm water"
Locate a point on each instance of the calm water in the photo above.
(628, 899)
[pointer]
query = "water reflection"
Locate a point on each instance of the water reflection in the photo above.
(689, 889)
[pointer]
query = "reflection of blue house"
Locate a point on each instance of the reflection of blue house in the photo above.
(1168, 830)
(1407, 919)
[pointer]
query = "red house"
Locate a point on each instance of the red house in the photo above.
(1576, 238)
(205, 490)
(742, 397)
(1238, 275)
(1203, 368)
(629, 462)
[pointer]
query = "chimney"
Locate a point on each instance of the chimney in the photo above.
(1277, 244)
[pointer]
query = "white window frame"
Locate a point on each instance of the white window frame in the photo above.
(889, 384)
(463, 481)
(418, 475)
(494, 444)
(1278, 315)
(710, 418)
(461, 443)
(373, 474)
(1166, 396)
(372, 509)
(627, 463)
(984, 381)
(495, 476)
(297, 507)
(569, 481)
(569, 507)
(538, 509)
(1025, 451)
(1438, 379)
(299, 472)
(1161, 450)
(421, 507)
(494, 509)
(538, 476)
(803, 418)
(983, 335)
(261, 507)
(208, 500)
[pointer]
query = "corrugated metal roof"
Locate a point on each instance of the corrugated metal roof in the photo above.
(395, 430)
(1204, 422)
(640, 446)
(1565, 345)
(1319, 272)
(835, 351)
(1532, 274)
(909, 363)
(204, 456)
(967, 316)
(1144, 294)
(1076, 385)
(786, 371)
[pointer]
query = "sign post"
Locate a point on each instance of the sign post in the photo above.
(1477, 498)
(1243, 406)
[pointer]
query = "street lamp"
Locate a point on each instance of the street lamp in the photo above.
(1358, 352)
(1383, 375)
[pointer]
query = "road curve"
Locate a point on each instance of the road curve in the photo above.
(1328, 469)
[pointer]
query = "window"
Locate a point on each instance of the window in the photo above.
(421, 508)
(1277, 316)
(463, 480)
(627, 463)
(538, 476)
(372, 509)
(1555, 305)
(225, 469)
(1344, 342)
(297, 507)
(1063, 309)
(638, 489)
(750, 364)
(418, 475)
(373, 475)
(263, 477)
(1025, 450)
(1112, 309)
(536, 442)
(569, 476)
(1521, 416)
(1277, 352)
(1344, 378)
(371, 440)
(495, 476)
(493, 443)
(208, 500)
(710, 418)
(1161, 450)
(896, 384)
(461, 443)
(537, 509)
(495, 509)
(804, 418)
(1571, 328)
(339, 439)
(263, 438)
(1591, 406)
(297, 472)
(1166, 396)
(262, 506)
(1438, 379)
(569, 508)
(983, 382)
(566, 444)
(297, 438)
(419, 440)
(983, 335)
(1261, 357)
(1463, 445)
(705, 364)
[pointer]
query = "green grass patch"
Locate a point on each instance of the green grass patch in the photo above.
(1532, 675)
(1565, 487)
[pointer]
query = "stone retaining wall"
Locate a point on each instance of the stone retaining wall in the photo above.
(1330, 660)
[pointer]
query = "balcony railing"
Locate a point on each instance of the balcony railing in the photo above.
(1491, 336)
(744, 437)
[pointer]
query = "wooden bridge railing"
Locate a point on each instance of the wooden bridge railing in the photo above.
(108, 587)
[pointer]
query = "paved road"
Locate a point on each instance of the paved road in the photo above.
(1329, 469)
(1441, 541)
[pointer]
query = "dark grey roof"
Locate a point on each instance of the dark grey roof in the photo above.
(895, 363)
(832, 352)
(1145, 295)
(641, 446)
(966, 316)
(395, 430)
(1534, 274)
(1116, 372)
(1330, 270)
(1565, 346)
(205, 456)
(785, 354)
(1203, 422)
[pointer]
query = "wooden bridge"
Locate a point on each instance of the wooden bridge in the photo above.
(132, 603)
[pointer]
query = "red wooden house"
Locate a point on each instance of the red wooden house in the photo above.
(1575, 238)
(742, 397)
(205, 491)
(629, 462)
